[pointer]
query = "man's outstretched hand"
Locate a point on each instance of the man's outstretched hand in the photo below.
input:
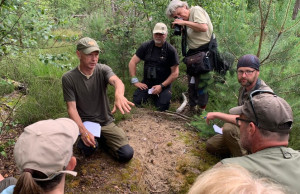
(122, 104)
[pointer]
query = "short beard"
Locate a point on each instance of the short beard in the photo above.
(247, 84)
(158, 41)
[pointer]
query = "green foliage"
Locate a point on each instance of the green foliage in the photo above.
(65, 34)
(44, 101)
(285, 82)
(42, 80)
(49, 59)
(223, 96)
(178, 87)
(5, 145)
(23, 25)
(6, 87)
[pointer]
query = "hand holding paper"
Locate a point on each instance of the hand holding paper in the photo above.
(93, 128)
(150, 91)
(217, 129)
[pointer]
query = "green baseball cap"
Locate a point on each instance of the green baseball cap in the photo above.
(272, 112)
(87, 45)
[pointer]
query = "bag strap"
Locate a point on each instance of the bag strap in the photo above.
(210, 42)
(149, 49)
(184, 41)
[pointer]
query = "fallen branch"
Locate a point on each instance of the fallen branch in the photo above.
(175, 114)
(183, 105)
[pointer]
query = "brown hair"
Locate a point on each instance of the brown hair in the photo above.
(26, 184)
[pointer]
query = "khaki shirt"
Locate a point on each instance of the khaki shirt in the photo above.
(197, 39)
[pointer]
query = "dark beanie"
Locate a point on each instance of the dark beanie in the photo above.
(248, 61)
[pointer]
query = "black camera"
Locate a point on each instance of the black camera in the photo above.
(177, 28)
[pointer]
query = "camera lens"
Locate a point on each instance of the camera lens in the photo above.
(177, 30)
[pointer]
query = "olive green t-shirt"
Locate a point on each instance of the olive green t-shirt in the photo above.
(90, 94)
(244, 95)
(197, 39)
(278, 163)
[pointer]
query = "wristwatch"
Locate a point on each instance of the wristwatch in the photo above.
(134, 80)
(162, 86)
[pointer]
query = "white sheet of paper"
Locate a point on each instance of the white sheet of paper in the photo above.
(192, 80)
(150, 91)
(217, 129)
(93, 128)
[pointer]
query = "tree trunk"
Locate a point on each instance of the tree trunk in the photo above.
(296, 9)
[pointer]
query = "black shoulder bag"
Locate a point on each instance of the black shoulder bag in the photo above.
(198, 63)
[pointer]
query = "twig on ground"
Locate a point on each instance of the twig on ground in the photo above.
(175, 114)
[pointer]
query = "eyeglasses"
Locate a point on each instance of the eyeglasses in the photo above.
(254, 93)
(248, 72)
(239, 119)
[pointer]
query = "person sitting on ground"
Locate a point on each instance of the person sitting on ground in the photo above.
(160, 69)
(231, 178)
(228, 144)
(265, 122)
(44, 155)
(85, 92)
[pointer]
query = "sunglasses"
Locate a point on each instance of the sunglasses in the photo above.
(239, 119)
(252, 94)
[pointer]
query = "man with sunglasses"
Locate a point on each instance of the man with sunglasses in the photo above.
(265, 122)
(228, 144)
(160, 69)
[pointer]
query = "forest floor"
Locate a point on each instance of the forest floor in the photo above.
(168, 156)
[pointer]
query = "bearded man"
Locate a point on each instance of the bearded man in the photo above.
(160, 70)
(228, 144)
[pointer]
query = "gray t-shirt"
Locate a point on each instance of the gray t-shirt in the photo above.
(90, 94)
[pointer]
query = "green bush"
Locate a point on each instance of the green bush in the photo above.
(5, 87)
(43, 101)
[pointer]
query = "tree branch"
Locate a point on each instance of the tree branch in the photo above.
(279, 33)
(289, 77)
(263, 24)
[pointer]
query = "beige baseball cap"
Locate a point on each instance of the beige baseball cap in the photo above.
(87, 45)
(47, 146)
(160, 28)
(273, 113)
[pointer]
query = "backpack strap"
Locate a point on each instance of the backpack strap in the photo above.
(257, 85)
(149, 49)
(210, 42)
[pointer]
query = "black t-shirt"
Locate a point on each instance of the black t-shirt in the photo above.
(158, 61)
